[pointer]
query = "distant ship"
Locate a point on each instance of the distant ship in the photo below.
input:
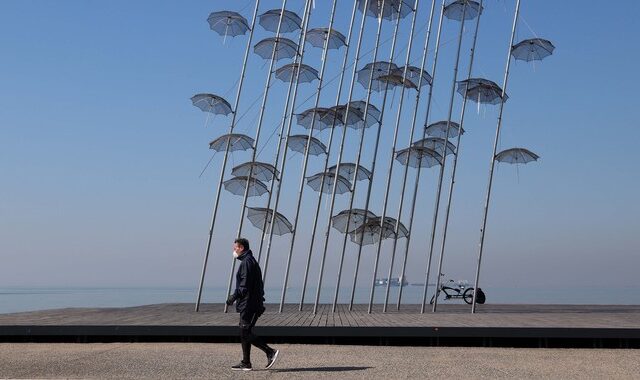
(395, 281)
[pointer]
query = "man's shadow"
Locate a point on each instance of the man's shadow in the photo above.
(322, 369)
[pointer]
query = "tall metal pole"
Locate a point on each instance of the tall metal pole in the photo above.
(226, 154)
(328, 155)
(357, 163)
(344, 135)
(493, 155)
(306, 160)
(257, 138)
(455, 164)
(434, 222)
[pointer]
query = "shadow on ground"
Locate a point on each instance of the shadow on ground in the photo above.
(323, 369)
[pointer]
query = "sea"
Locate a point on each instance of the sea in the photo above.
(21, 299)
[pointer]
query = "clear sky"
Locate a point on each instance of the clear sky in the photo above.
(101, 149)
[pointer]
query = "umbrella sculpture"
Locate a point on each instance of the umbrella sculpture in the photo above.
(516, 156)
(259, 170)
(211, 103)
(419, 157)
(262, 217)
(439, 129)
(298, 143)
(288, 72)
(414, 74)
(379, 69)
(317, 37)
(355, 118)
(481, 91)
(238, 186)
(236, 142)
(456, 10)
(349, 220)
(290, 21)
(534, 49)
(348, 170)
(327, 180)
(324, 118)
(285, 48)
(395, 80)
(387, 9)
(373, 228)
(437, 144)
(227, 23)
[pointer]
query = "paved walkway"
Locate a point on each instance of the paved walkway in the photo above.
(181, 361)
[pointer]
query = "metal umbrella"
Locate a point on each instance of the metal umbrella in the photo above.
(285, 48)
(437, 144)
(349, 171)
(456, 10)
(298, 143)
(371, 231)
(262, 217)
(321, 117)
(270, 19)
(481, 91)
(288, 72)
(238, 186)
(414, 74)
(395, 80)
(236, 142)
(326, 180)
(259, 170)
(418, 157)
(211, 103)
(349, 220)
(516, 156)
(439, 129)
(379, 69)
(227, 23)
(355, 117)
(387, 9)
(534, 49)
(317, 37)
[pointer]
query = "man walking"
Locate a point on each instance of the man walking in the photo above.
(249, 298)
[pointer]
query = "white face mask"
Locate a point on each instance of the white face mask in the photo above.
(235, 255)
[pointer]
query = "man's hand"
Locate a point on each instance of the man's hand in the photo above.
(230, 300)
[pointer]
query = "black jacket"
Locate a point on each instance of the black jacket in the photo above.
(249, 293)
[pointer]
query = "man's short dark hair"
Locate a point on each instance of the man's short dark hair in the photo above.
(243, 242)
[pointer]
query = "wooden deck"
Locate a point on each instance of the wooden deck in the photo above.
(454, 322)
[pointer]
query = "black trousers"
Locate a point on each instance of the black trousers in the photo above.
(248, 320)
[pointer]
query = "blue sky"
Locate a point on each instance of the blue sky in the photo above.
(101, 149)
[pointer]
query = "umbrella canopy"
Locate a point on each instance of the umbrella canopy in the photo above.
(391, 10)
(370, 231)
(227, 23)
(395, 80)
(437, 144)
(379, 69)
(238, 186)
(414, 74)
(534, 49)
(287, 72)
(298, 143)
(439, 129)
(516, 156)
(261, 217)
(343, 185)
(259, 170)
(419, 157)
(324, 118)
(481, 91)
(355, 118)
(349, 171)
(211, 103)
(454, 10)
(285, 48)
(317, 37)
(356, 217)
(290, 21)
(236, 142)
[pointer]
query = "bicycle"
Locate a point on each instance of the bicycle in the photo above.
(455, 290)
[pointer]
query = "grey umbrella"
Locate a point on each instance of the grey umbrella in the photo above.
(211, 103)
(227, 23)
(348, 170)
(342, 186)
(261, 217)
(454, 11)
(418, 157)
(287, 72)
(324, 118)
(387, 9)
(285, 48)
(236, 142)
(516, 156)
(355, 118)
(481, 90)
(298, 143)
(373, 228)
(290, 21)
(395, 80)
(379, 69)
(439, 129)
(534, 49)
(259, 170)
(414, 74)
(437, 144)
(238, 185)
(355, 216)
(317, 37)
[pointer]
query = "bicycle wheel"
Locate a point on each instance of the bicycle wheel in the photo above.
(468, 296)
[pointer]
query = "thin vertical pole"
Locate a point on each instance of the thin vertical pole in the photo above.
(493, 155)
(434, 222)
(455, 164)
(306, 158)
(326, 161)
(226, 154)
(257, 138)
(344, 135)
(357, 163)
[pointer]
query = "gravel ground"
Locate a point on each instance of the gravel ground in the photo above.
(195, 360)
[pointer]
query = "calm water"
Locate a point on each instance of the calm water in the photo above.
(28, 299)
